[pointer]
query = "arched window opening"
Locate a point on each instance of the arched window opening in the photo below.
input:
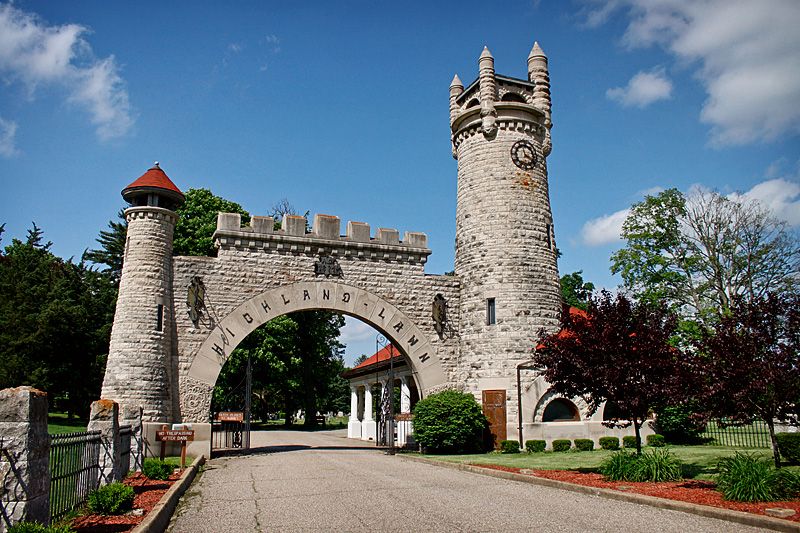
(473, 103)
(612, 412)
(513, 97)
(561, 410)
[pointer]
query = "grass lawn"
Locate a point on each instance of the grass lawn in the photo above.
(59, 423)
(699, 462)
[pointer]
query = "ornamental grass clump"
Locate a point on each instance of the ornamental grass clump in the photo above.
(748, 478)
(36, 527)
(112, 499)
(156, 469)
(656, 465)
(449, 422)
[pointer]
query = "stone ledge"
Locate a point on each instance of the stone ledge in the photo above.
(738, 517)
(158, 518)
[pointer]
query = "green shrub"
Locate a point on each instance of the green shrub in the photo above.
(656, 441)
(749, 478)
(156, 469)
(509, 446)
(789, 446)
(656, 465)
(609, 443)
(449, 422)
(36, 527)
(629, 441)
(619, 466)
(677, 425)
(584, 445)
(114, 498)
(535, 446)
(562, 445)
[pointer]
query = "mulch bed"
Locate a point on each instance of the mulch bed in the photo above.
(691, 491)
(148, 493)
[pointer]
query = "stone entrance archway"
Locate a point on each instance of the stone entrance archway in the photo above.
(198, 382)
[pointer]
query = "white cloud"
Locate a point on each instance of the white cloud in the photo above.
(747, 55)
(779, 195)
(643, 89)
(355, 331)
(605, 229)
(33, 53)
(8, 133)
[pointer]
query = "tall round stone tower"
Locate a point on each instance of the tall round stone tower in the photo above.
(138, 371)
(505, 244)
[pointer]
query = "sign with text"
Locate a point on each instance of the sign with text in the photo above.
(230, 416)
(186, 435)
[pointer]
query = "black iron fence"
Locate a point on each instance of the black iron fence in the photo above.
(74, 470)
(721, 433)
(125, 434)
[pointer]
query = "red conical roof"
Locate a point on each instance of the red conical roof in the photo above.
(154, 180)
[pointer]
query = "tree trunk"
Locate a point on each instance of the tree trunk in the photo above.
(776, 454)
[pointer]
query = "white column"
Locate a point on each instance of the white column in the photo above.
(368, 424)
(405, 395)
(353, 425)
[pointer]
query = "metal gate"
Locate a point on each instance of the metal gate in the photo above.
(230, 430)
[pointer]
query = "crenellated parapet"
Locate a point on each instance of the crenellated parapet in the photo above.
(324, 238)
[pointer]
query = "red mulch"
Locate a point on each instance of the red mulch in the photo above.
(698, 492)
(148, 493)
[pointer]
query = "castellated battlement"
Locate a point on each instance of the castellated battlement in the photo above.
(324, 238)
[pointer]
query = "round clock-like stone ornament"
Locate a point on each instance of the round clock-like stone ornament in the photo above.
(523, 155)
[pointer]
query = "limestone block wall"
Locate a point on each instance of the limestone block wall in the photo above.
(255, 259)
(505, 250)
(137, 371)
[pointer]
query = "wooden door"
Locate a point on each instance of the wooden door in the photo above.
(494, 407)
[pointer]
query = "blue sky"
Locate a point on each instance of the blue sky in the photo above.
(342, 108)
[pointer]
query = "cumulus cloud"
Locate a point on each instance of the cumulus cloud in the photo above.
(747, 56)
(779, 195)
(33, 54)
(605, 229)
(643, 89)
(355, 331)
(8, 134)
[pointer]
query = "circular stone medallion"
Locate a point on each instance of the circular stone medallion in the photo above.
(523, 155)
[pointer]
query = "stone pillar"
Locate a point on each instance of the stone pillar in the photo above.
(24, 456)
(354, 424)
(104, 416)
(368, 424)
(405, 395)
(131, 415)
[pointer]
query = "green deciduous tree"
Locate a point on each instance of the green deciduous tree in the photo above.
(197, 221)
(575, 291)
(700, 252)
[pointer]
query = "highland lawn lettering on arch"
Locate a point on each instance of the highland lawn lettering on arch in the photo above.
(323, 295)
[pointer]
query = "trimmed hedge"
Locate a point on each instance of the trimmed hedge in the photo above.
(509, 446)
(584, 445)
(535, 446)
(789, 446)
(562, 445)
(114, 498)
(449, 422)
(609, 443)
(656, 441)
(629, 441)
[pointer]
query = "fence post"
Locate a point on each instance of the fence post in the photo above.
(24, 457)
(104, 416)
(131, 415)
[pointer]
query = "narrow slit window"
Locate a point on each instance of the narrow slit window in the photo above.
(490, 312)
(159, 317)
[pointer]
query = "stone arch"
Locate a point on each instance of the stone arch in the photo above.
(549, 396)
(227, 333)
(511, 96)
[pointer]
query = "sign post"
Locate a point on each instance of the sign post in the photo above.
(183, 436)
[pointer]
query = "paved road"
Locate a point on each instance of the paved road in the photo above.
(320, 482)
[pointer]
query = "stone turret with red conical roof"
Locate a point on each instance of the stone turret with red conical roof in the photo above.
(140, 360)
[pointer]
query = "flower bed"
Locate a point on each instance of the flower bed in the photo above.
(148, 494)
(697, 492)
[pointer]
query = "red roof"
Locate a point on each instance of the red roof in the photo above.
(154, 178)
(381, 355)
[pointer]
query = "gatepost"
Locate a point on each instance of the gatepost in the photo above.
(104, 416)
(24, 457)
(131, 415)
